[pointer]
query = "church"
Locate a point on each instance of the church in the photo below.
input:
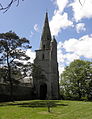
(46, 59)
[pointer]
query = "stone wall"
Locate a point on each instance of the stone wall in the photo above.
(19, 92)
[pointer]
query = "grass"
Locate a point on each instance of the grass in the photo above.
(37, 109)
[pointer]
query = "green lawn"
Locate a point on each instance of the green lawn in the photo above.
(38, 110)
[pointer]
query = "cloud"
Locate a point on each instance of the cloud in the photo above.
(82, 11)
(60, 18)
(80, 27)
(70, 50)
(31, 54)
(74, 49)
(59, 22)
(81, 46)
(60, 55)
(61, 4)
(64, 58)
(36, 27)
(61, 69)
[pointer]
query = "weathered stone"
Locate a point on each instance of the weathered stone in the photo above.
(46, 58)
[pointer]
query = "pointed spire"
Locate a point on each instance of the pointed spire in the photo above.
(46, 29)
(46, 18)
(46, 34)
(54, 39)
(53, 42)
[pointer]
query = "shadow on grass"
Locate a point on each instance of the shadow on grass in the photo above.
(36, 104)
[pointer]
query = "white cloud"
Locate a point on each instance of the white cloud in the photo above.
(60, 20)
(80, 27)
(61, 69)
(64, 58)
(69, 57)
(61, 4)
(70, 50)
(60, 55)
(36, 27)
(73, 49)
(82, 11)
(82, 46)
(31, 54)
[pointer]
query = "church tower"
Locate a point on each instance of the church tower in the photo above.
(46, 58)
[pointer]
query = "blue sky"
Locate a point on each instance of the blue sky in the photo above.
(70, 22)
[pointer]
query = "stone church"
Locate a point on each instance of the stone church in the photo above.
(46, 59)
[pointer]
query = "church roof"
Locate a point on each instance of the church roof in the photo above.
(46, 34)
(46, 29)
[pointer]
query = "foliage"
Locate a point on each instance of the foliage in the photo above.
(76, 80)
(12, 55)
(3, 74)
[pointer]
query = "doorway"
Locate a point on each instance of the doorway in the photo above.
(43, 91)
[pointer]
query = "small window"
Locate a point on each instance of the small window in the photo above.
(44, 47)
(43, 57)
(48, 38)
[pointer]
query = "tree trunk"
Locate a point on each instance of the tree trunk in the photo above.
(9, 78)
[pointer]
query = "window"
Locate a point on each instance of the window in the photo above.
(44, 47)
(43, 57)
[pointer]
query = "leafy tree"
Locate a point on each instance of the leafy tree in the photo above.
(3, 74)
(12, 54)
(76, 80)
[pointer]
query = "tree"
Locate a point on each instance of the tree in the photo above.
(3, 74)
(12, 54)
(76, 80)
(17, 1)
(5, 8)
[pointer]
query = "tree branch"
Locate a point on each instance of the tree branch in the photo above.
(81, 2)
(9, 5)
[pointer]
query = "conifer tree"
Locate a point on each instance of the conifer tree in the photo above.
(12, 54)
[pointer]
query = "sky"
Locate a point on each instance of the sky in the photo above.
(70, 21)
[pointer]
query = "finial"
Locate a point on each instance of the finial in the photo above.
(46, 17)
(46, 12)
(53, 36)
(53, 39)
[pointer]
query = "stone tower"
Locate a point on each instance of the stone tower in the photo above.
(46, 59)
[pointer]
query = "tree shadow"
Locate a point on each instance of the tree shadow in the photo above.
(36, 104)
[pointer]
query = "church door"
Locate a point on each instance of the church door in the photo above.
(43, 91)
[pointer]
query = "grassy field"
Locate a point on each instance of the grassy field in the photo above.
(38, 110)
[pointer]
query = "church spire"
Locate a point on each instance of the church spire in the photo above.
(46, 34)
